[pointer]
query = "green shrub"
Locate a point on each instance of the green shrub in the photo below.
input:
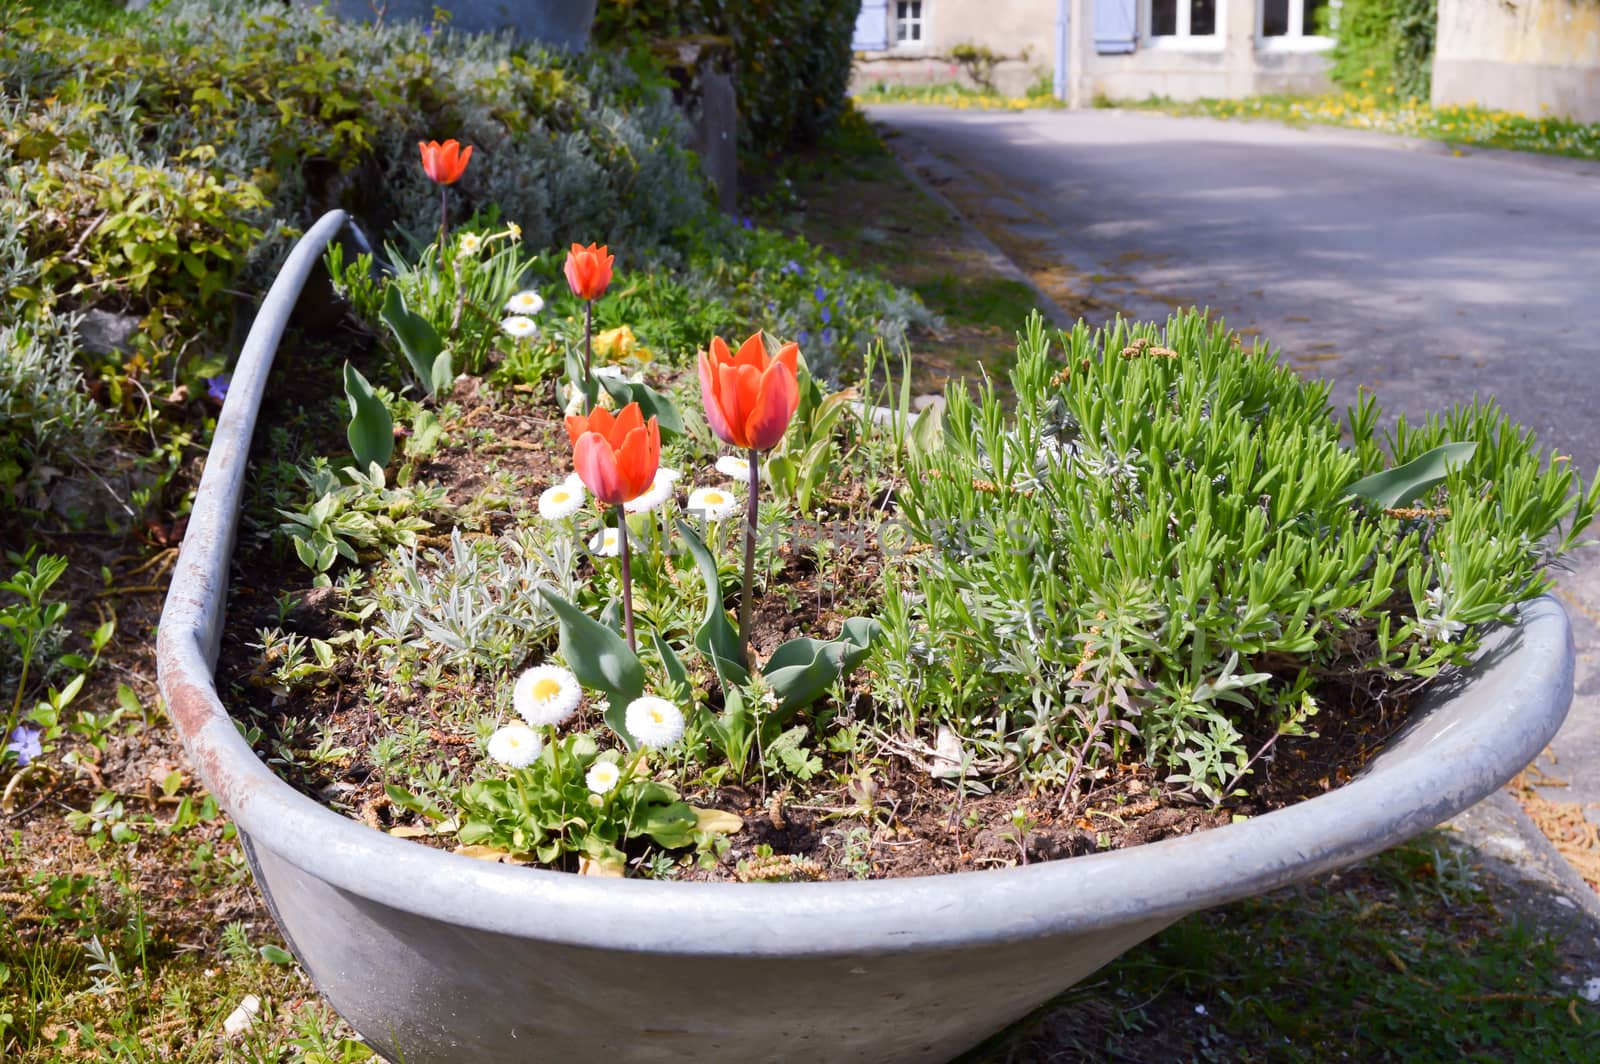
(792, 59)
(1384, 46)
(1158, 554)
(163, 153)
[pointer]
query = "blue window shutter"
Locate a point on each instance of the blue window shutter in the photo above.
(1116, 26)
(872, 27)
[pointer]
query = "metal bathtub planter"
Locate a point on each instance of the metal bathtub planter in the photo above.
(438, 958)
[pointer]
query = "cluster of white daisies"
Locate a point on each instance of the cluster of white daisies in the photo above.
(547, 696)
(563, 500)
(520, 309)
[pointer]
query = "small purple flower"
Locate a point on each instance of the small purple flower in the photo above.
(25, 743)
(804, 337)
(793, 267)
(827, 337)
(217, 387)
(827, 315)
(745, 221)
(821, 294)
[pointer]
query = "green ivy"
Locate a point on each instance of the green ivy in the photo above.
(1384, 47)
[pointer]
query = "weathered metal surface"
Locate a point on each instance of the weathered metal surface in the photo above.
(438, 958)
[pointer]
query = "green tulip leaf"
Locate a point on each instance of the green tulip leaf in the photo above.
(670, 661)
(927, 432)
(599, 658)
(419, 343)
(371, 431)
(801, 670)
(716, 636)
(1404, 484)
(651, 403)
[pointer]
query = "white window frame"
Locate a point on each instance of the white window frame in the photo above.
(1183, 41)
(1297, 39)
(895, 44)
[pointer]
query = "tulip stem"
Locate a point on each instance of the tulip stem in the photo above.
(589, 395)
(749, 555)
(444, 218)
(627, 577)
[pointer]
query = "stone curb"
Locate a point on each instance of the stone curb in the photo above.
(909, 158)
(1499, 830)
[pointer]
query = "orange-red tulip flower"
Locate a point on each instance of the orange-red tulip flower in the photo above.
(616, 457)
(588, 270)
(749, 397)
(444, 163)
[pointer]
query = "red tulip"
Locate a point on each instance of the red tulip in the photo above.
(588, 270)
(616, 457)
(749, 397)
(444, 163)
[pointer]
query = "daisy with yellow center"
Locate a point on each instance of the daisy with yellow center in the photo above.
(659, 491)
(732, 465)
(713, 504)
(529, 302)
(605, 543)
(602, 777)
(518, 327)
(653, 721)
(515, 745)
(563, 500)
(468, 244)
(546, 695)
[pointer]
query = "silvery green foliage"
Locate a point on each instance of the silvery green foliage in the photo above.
(1153, 553)
(473, 606)
(623, 177)
(568, 147)
(49, 427)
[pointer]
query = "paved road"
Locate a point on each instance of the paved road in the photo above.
(1369, 260)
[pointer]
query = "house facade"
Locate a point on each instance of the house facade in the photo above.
(1125, 49)
(1531, 56)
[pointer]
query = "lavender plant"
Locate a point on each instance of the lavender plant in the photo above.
(1164, 551)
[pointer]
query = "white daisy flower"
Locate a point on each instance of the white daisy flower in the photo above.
(519, 327)
(515, 744)
(563, 500)
(602, 776)
(546, 694)
(468, 244)
(654, 721)
(605, 543)
(731, 465)
(660, 491)
(515, 230)
(529, 302)
(713, 504)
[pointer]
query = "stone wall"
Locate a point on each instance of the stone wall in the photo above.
(1534, 56)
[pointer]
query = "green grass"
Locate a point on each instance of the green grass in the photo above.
(1402, 958)
(1468, 126)
(995, 301)
(953, 94)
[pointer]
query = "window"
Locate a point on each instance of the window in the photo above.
(908, 22)
(1293, 18)
(1184, 18)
